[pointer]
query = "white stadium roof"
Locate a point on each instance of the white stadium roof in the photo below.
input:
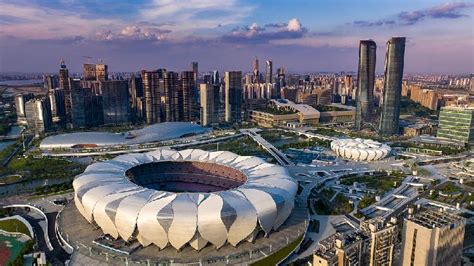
(152, 133)
(104, 194)
(360, 149)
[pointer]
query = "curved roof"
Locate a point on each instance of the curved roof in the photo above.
(360, 149)
(104, 194)
(152, 133)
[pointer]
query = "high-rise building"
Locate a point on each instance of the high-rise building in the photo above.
(50, 82)
(64, 84)
(341, 249)
(87, 108)
(433, 237)
(256, 74)
(189, 102)
(215, 77)
(56, 102)
(97, 72)
(209, 100)
(195, 70)
(136, 95)
(456, 123)
(366, 81)
(20, 100)
(173, 96)
(151, 95)
(382, 239)
(426, 97)
(115, 101)
(38, 115)
(394, 61)
(269, 72)
(233, 96)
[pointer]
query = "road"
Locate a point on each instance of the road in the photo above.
(277, 154)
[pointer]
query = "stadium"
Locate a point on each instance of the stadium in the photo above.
(190, 199)
(360, 149)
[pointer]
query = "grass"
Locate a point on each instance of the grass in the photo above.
(327, 132)
(42, 168)
(382, 182)
(276, 257)
(9, 179)
(366, 201)
(14, 225)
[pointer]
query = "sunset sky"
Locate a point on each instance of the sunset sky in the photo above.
(302, 36)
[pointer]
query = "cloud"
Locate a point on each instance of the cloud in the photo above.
(275, 31)
(138, 31)
(451, 10)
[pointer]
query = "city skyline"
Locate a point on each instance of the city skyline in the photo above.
(299, 36)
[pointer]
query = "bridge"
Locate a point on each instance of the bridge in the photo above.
(277, 154)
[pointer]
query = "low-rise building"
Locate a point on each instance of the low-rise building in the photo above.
(282, 112)
(419, 129)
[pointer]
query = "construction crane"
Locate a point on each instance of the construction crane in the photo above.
(88, 58)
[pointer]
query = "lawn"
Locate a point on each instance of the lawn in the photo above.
(14, 225)
(42, 168)
(276, 257)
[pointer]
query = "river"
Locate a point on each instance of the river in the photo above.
(20, 82)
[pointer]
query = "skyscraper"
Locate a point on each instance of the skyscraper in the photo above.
(233, 96)
(256, 74)
(366, 81)
(268, 72)
(433, 237)
(215, 77)
(151, 94)
(195, 69)
(173, 96)
(20, 101)
(87, 108)
(394, 61)
(190, 108)
(97, 72)
(136, 95)
(382, 237)
(115, 101)
(64, 84)
(209, 111)
(38, 115)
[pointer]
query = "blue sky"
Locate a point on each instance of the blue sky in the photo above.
(302, 36)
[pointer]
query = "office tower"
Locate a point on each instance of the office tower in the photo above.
(233, 96)
(98, 72)
(269, 72)
(456, 123)
(38, 115)
(256, 74)
(188, 102)
(86, 106)
(60, 109)
(341, 249)
(195, 70)
(281, 82)
(433, 237)
(209, 99)
(64, 84)
(382, 237)
(394, 60)
(20, 100)
(115, 101)
(365, 82)
(136, 95)
(207, 79)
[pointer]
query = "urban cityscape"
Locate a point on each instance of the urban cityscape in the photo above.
(205, 133)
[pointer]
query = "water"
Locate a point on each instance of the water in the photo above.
(6, 143)
(20, 82)
(14, 131)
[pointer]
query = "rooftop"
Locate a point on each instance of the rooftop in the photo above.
(432, 218)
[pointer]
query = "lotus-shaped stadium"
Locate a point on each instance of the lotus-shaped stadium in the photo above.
(360, 149)
(194, 197)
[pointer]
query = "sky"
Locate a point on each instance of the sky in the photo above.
(301, 36)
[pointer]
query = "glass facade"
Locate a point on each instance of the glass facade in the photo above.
(456, 124)
(394, 61)
(366, 79)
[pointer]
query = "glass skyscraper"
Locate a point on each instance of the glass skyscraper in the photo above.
(365, 79)
(394, 60)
